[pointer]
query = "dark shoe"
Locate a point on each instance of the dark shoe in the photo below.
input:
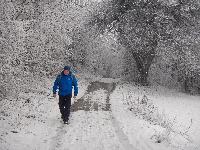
(66, 122)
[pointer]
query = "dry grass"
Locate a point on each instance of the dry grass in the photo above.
(145, 109)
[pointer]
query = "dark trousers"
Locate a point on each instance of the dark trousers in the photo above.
(64, 105)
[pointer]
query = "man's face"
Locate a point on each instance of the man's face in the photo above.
(66, 72)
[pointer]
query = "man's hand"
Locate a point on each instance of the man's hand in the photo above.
(54, 95)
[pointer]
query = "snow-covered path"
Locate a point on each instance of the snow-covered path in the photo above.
(100, 120)
(92, 125)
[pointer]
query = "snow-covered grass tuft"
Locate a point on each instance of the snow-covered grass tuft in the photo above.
(145, 109)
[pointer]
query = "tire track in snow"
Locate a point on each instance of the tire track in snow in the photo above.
(56, 140)
(56, 126)
(121, 135)
(119, 132)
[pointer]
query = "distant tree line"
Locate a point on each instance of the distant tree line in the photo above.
(150, 29)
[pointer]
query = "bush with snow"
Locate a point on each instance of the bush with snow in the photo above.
(145, 109)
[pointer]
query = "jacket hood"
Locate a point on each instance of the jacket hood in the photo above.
(67, 68)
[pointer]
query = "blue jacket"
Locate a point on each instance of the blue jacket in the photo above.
(65, 84)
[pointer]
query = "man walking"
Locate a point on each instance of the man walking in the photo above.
(65, 83)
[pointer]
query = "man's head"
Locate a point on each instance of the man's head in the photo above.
(66, 70)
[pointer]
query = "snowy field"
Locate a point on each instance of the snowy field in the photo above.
(167, 120)
(117, 117)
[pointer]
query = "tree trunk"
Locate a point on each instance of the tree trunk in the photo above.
(186, 85)
(143, 62)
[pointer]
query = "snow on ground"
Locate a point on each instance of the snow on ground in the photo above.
(26, 122)
(177, 109)
(33, 122)
(87, 130)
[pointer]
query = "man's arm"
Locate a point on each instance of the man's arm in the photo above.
(55, 86)
(75, 84)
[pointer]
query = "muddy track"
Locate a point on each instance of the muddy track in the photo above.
(85, 103)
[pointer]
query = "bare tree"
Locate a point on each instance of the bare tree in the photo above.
(142, 24)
